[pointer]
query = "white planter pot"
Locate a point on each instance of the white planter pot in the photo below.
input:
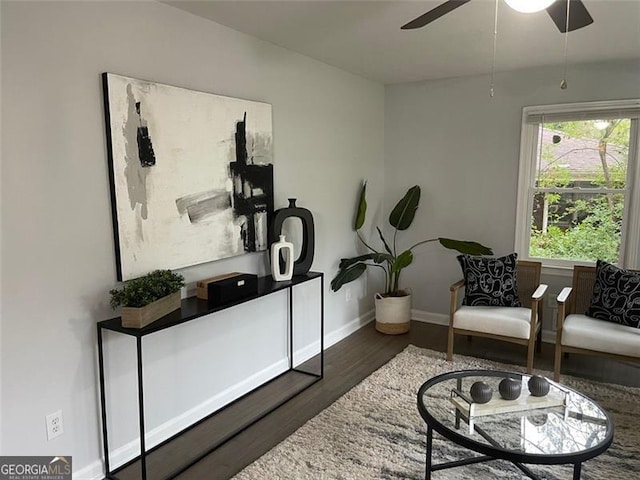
(393, 314)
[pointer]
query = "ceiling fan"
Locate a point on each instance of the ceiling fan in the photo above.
(578, 15)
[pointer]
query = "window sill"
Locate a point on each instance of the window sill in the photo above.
(557, 271)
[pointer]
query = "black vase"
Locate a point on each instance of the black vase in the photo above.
(538, 386)
(305, 259)
(510, 388)
(481, 392)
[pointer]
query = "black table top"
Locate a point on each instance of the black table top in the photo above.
(193, 307)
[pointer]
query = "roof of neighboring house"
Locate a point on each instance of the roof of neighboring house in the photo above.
(579, 155)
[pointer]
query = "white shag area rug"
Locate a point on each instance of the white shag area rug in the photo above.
(374, 431)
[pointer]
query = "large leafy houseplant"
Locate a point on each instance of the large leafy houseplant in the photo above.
(391, 259)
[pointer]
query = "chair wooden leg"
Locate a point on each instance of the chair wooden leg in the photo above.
(539, 341)
(450, 345)
(556, 363)
(530, 351)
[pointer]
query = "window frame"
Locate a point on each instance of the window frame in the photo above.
(529, 139)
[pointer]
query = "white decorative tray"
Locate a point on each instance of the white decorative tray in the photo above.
(555, 398)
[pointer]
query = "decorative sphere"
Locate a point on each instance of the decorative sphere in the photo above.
(538, 386)
(510, 388)
(481, 392)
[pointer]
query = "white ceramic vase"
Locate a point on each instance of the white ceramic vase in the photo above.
(286, 249)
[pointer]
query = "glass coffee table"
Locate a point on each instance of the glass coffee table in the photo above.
(571, 431)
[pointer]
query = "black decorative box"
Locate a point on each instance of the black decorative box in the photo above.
(229, 290)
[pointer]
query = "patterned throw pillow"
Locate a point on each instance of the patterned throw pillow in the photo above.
(616, 295)
(490, 281)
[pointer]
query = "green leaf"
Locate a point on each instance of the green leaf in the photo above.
(375, 257)
(404, 260)
(402, 214)
(386, 246)
(362, 208)
(347, 275)
(464, 246)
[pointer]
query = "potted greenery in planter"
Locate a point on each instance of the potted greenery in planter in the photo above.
(393, 306)
(148, 298)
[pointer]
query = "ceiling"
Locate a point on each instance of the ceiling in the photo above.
(364, 37)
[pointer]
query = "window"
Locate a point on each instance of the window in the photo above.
(579, 184)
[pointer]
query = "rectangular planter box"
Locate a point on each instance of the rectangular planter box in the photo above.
(141, 317)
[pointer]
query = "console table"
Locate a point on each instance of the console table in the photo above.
(292, 382)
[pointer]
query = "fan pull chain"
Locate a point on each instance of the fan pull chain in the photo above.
(495, 42)
(563, 83)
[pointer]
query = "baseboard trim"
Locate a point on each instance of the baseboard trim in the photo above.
(548, 336)
(305, 353)
(343, 332)
(126, 452)
(430, 317)
(119, 456)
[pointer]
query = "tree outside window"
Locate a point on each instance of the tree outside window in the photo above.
(580, 155)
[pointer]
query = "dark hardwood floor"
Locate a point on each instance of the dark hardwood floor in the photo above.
(346, 364)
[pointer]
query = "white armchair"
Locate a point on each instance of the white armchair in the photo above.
(521, 325)
(578, 333)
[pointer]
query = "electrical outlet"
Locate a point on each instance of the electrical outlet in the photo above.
(347, 294)
(54, 425)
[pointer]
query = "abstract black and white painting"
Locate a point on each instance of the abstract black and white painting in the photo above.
(191, 175)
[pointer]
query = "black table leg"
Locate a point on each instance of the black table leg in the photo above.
(103, 404)
(427, 471)
(459, 387)
(143, 448)
(577, 467)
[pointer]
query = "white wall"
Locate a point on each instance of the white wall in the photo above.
(462, 147)
(57, 241)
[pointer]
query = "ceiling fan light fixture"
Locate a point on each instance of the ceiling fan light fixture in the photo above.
(529, 6)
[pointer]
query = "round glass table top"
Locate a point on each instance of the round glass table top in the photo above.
(564, 426)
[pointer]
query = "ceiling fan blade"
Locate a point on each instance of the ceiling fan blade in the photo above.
(434, 14)
(578, 15)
